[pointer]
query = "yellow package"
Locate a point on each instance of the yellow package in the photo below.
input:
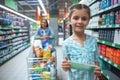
(47, 54)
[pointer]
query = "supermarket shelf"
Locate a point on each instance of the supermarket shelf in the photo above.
(20, 40)
(5, 28)
(9, 56)
(20, 36)
(7, 33)
(110, 62)
(20, 31)
(17, 43)
(106, 9)
(6, 46)
(6, 39)
(16, 27)
(6, 54)
(92, 2)
(16, 40)
(109, 43)
(104, 26)
(109, 75)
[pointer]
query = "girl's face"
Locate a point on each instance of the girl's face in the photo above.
(44, 24)
(79, 20)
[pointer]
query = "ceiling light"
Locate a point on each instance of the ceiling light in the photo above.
(82, 1)
(41, 4)
(8, 9)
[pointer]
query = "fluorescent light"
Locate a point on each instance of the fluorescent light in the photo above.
(82, 1)
(38, 10)
(41, 4)
(8, 9)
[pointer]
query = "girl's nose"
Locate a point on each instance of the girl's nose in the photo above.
(80, 20)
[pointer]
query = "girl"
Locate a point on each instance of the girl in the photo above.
(80, 47)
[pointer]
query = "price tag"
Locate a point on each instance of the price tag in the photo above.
(101, 56)
(113, 44)
(110, 26)
(116, 25)
(109, 62)
(103, 26)
(103, 42)
(108, 77)
(115, 65)
(105, 59)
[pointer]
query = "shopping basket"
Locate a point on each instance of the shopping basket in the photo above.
(41, 68)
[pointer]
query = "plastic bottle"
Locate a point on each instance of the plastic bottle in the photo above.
(52, 72)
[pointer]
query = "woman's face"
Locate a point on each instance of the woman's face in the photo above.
(79, 20)
(44, 24)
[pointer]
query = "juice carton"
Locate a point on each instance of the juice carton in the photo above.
(103, 50)
(118, 57)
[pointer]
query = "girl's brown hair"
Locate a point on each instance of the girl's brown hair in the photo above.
(78, 6)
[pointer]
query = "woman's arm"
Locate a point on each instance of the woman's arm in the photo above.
(38, 35)
(51, 34)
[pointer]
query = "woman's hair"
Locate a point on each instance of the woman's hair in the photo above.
(45, 21)
(78, 6)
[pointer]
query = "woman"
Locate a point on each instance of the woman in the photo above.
(44, 33)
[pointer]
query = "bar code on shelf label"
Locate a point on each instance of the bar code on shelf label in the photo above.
(105, 59)
(108, 77)
(101, 56)
(116, 25)
(113, 45)
(110, 26)
(103, 42)
(109, 62)
(115, 65)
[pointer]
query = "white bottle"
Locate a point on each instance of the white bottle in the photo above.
(52, 72)
(116, 36)
(119, 37)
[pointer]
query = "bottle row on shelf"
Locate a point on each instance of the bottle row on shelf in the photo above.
(110, 53)
(111, 35)
(9, 52)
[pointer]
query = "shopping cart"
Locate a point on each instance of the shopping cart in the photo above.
(41, 68)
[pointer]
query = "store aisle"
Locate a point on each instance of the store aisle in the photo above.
(16, 68)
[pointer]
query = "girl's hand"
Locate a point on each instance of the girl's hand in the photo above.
(66, 64)
(97, 71)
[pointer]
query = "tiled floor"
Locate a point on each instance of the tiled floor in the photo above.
(16, 68)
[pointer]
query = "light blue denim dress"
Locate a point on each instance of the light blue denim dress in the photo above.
(87, 54)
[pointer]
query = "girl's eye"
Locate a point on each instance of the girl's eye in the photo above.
(76, 18)
(84, 18)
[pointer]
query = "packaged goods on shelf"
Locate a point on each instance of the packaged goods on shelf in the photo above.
(109, 36)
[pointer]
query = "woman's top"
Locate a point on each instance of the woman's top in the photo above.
(45, 32)
(83, 54)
